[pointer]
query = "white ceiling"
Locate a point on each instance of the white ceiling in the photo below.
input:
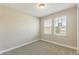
(31, 8)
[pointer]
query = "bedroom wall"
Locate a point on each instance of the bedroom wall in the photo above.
(16, 28)
(78, 29)
(71, 38)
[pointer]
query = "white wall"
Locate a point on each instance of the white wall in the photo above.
(78, 29)
(71, 38)
(16, 28)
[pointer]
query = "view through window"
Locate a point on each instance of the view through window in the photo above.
(47, 26)
(60, 25)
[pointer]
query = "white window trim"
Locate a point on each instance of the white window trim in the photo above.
(60, 34)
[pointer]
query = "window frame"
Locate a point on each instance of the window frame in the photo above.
(47, 26)
(60, 34)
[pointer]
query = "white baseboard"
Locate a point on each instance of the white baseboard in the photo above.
(6, 50)
(60, 44)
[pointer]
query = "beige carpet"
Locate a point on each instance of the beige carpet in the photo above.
(41, 48)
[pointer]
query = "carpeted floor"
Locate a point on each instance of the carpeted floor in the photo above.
(41, 48)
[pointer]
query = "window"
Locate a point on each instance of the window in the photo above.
(60, 25)
(47, 26)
